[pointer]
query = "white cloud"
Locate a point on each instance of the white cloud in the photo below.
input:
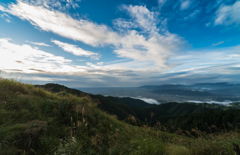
(26, 59)
(216, 44)
(6, 17)
(196, 61)
(233, 56)
(39, 44)
(63, 25)
(122, 23)
(207, 24)
(227, 15)
(193, 14)
(80, 60)
(100, 63)
(151, 43)
(59, 4)
(193, 66)
(148, 44)
(76, 50)
(2, 8)
(161, 3)
(8, 20)
(185, 4)
(142, 17)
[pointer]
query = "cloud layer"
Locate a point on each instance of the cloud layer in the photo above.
(62, 24)
(144, 47)
(152, 43)
(26, 59)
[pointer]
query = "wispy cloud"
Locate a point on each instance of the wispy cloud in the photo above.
(219, 43)
(76, 50)
(63, 24)
(3, 9)
(39, 44)
(26, 59)
(58, 4)
(148, 43)
(153, 43)
(80, 60)
(100, 63)
(6, 17)
(228, 14)
(161, 3)
(200, 60)
(193, 14)
(185, 4)
(121, 23)
(143, 18)
(212, 65)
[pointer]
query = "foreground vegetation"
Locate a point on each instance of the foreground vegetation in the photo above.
(35, 121)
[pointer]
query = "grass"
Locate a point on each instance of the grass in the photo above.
(35, 121)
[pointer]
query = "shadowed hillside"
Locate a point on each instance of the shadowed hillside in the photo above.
(36, 121)
(123, 107)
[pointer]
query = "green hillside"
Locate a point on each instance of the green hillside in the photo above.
(121, 107)
(231, 106)
(124, 107)
(130, 102)
(35, 121)
(178, 109)
(208, 122)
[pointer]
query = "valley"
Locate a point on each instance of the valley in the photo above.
(220, 93)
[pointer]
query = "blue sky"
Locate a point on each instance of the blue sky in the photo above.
(92, 43)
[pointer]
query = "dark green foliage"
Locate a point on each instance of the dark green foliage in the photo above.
(209, 122)
(231, 106)
(178, 109)
(130, 102)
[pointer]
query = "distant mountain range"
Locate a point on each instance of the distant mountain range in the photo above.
(198, 86)
(215, 91)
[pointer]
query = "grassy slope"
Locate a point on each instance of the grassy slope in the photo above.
(123, 107)
(34, 121)
(114, 105)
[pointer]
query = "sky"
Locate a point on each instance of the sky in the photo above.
(120, 43)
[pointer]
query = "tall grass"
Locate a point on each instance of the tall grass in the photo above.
(35, 121)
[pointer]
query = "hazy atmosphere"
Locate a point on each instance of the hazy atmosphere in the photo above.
(128, 43)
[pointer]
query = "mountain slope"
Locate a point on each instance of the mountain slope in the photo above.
(121, 107)
(183, 92)
(125, 107)
(178, 109)
(36, 121)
